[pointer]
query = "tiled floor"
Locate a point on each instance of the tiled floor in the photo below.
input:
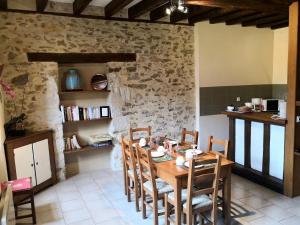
(98, 198)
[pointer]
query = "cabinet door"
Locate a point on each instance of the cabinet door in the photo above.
(24, 163)
(42, 161)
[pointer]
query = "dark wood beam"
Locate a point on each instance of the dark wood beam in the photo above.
(273, 23)
(81, 57)
(226, 17)
(144, 6)
(278, 26)
(266, 19)
(71, 15)
(41, 5)
(178, 16)
(115, 6)
(3, 4)
(267, 6)
(209, 14)
(159, 13)
(246, 18)
(80, 5)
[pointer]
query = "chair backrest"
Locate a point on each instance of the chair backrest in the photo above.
(146, 168)
(129, 157)
(193, 134)
(133, 133)
(224, 143)
(205, 175)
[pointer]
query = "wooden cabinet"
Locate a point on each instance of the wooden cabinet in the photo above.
(32, 156)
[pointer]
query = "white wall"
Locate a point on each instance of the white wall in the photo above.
(280, 56)
(234, 55)
(230, 56)
(3, 171)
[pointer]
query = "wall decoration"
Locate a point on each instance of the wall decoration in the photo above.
(105, 112)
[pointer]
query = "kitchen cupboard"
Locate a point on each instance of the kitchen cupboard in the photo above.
(32, 156)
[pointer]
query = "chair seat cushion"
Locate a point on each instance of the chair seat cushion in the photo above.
(162, 187)
(197, 202)
(19, 185)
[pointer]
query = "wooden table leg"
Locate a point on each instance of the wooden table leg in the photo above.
(227, 196)
(177, 192)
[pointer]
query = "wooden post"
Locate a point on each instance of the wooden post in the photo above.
(293, 63)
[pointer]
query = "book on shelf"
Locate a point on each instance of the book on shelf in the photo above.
(71, 143)
(78, 113)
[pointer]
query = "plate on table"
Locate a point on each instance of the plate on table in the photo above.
(187, 164)
(157, 154)
(198, 152)
(172, 142)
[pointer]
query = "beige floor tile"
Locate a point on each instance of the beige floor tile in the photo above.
(295, 220)
(50, 216)
(67, 206)
(68, 196)
(276, 212)
(76, 216)
(84, 222)
(295, 211)
(283, 202)
(105, 215)
(57, 222)
(255, 202)
(264, 221)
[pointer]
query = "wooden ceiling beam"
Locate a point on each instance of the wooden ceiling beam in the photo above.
(115, 6)
(272, 24)
(3, 4)
(178, 16)
(209, 14)
(267, 6)
(246, 18)
(79, 6)
(266, 19)
(159, 13)
(144, 6)
(278, 26)
(226, 17)
(41, 5)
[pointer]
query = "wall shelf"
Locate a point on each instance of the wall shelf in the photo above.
(86, 121)
(88, 149)
(80, 57)
(83, 92)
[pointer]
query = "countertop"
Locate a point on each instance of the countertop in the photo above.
(264, 117)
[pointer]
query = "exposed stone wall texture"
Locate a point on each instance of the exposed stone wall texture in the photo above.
(156, 90)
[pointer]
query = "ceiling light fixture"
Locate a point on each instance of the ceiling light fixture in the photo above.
(180, 6)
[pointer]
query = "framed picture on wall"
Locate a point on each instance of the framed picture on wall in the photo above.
(105, 112)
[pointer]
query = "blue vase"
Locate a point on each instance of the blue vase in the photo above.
(73, 79)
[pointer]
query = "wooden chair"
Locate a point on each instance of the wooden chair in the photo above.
(23, 194)
(193, 134)
(224, 144)
(151, 187)
(131, 176)
(198, 201)
(134, 131)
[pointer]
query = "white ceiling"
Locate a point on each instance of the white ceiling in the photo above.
(101, 3)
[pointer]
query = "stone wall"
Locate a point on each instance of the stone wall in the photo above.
(156, 90)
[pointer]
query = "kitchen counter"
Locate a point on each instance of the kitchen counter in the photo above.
(257, 147)
(264, 117)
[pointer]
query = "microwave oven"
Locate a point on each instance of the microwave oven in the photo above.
(270, 105)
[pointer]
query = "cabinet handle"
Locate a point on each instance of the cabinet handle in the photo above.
(37, 163)
(31, 164)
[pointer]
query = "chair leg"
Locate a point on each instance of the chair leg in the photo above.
(223, 203)
(128, 190)
(136, 194)
(155, 210)
(143, 204)
(189, 219)
(167, 210)
(33, 209)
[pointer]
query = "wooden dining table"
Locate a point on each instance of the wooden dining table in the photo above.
(177, 176)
